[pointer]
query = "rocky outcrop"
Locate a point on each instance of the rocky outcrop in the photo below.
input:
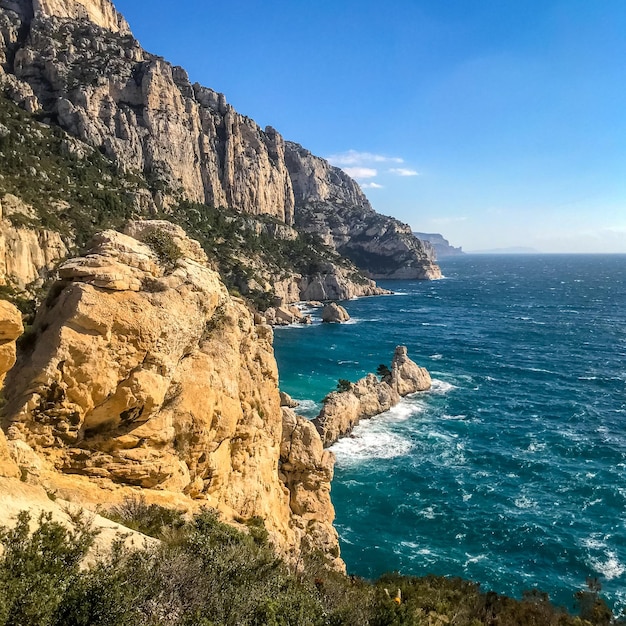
(143, 373)
(440, 244)
(406, 376)
(283, 316)
(100, 12)
(27, 254)
(287, 401)
(307, 470)
(17, 495)
(10, 329)
(330, 204)
(334, 313)
(343, 410)
(337, 283)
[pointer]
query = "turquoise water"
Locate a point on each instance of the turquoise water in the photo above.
(511, 471)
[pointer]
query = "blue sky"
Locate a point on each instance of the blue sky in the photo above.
(495, 122)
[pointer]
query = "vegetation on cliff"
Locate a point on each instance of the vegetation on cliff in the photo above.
(205, 573)
(74, 190)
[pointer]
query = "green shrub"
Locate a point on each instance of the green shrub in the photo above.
(343, 385)
(383, 371)
(164, 246)
(38, 569)
(149, 519)
(211, 574)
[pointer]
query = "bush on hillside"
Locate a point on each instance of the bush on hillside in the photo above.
(206, 573)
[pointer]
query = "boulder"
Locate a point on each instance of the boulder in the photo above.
(287, 400)
(334, 313)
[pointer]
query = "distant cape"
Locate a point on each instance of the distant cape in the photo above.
(440, 244)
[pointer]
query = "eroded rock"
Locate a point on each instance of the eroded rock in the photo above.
(334, 313)
(10, 329)
(145, 374)
(343, 410)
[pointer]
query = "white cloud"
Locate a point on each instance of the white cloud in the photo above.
(360, 172)
(403, 171)
(371, 186)
(354, 157)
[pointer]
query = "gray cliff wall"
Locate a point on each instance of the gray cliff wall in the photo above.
(332, 205)
(76, 63)
(99, 85)
(440, 244)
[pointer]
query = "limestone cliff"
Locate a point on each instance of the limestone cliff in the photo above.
(141, 372)
(330, 204)
(76, 63)
(10, 329)
(343, 410)
(440, 244)
(94, 79)
(26, 254)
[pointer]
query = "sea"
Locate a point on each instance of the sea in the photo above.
(511, 470)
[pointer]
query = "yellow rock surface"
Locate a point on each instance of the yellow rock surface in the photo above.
(150, 376)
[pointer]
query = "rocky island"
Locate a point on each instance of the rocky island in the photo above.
(343, 410)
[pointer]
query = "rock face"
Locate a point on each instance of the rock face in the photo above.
(26, 254)
(100, 12)
(330, 204)
(102, 87)
(77, 61)
(337, 284)
(307, 469)
(440, 244)
(10, 329)
(143, 372)
(333, 312)
(343, 410)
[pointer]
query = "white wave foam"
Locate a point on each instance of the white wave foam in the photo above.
(445, 416)
(474, 559)
(372, 443)
(592, 543)
(441, 386)
(609, 566)
(375, 438)
(540, 370)
(308, 407)
(524, 502)
(403, 411)
(436, 357)
(428, 512)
